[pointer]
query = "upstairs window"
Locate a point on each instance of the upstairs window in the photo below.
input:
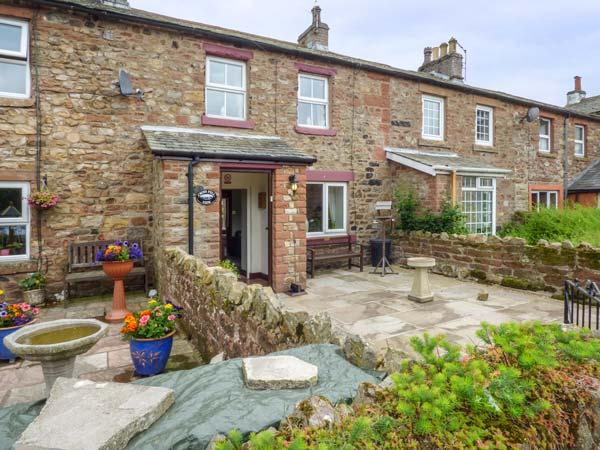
(545, 135)
(484, 126)
(433, 118)
(313, 101)
(326, 208)
(14, 58)
(14, 221)
(225, 88)
(579, 140)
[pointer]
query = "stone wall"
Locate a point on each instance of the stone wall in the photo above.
(509, 261)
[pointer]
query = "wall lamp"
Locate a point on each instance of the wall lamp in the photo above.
(293, 183)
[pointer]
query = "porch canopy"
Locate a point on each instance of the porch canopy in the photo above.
(437, 162)
(209, 144)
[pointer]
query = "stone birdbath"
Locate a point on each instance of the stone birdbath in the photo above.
(421, 290)
(56, 344)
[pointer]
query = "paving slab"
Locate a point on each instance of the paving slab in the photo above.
(107, 415)
(279, 372)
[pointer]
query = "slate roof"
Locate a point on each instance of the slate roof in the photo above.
(187, 142)
(266, 43)
(434, 162)
(588, 180)
(589, 105)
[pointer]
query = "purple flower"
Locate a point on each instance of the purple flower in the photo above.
(126, 243)
(3, 305)
(3, 314)
(119, 242)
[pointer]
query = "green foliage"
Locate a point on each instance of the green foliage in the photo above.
(36, 280)
(575, 223)
(525, 385)
(229, 265)
(410, 216)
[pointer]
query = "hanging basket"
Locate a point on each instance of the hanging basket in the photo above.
(43, 200)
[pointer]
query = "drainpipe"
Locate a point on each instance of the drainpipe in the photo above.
(566, 160)
(190, 176)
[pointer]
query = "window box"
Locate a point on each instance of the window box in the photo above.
(433, 118)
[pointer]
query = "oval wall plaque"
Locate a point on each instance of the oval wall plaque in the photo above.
(206, 197)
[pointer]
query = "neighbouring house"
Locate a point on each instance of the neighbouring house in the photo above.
(585, 188)
(233, 145)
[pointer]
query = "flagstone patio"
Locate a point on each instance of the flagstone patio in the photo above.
(108, 360)
(378, 309)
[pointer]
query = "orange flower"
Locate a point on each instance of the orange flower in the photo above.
(146, 312)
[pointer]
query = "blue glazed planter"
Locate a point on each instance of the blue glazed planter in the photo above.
(150, 356)
(6, 354)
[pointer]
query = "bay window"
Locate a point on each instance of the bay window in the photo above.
(479, 204)
(313, 101)
(14, 221)
(225, 88)
(326, 208)
(14, 58)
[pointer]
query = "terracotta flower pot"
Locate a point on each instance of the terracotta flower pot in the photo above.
(117, 271)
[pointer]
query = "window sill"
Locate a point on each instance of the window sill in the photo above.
(230, 123)
(547, 154)
(424, 142)
(15, 266)
(484, 148)
(17, 102)
(315, 131)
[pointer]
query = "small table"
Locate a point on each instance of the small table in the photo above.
(421, 290)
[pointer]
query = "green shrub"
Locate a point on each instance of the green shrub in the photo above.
(36, 280)
(411, 217)
(230, 265)
(526, 386)
(575, 223)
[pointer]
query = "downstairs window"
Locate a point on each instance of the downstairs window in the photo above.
(326, 208)
(14, 221)
(479, 204)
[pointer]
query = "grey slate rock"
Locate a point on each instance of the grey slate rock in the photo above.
(279, 372)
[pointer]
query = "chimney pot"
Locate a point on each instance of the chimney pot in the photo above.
(577, 83)
(452, 45)
(436, 53)
(317, 34)
(427, 53)
(443, 49)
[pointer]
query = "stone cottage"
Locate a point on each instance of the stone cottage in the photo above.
(232, 145)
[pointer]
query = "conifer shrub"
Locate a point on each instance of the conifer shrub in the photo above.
(528, 385)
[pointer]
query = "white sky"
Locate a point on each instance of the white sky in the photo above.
(531, 48)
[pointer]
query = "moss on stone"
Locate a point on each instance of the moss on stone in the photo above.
(523, 284)
(478, 274)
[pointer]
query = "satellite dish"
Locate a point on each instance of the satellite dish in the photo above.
(533, 114)
(126, 86)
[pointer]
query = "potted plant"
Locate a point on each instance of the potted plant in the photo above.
(14, 247)
(33, 288)
(117, 261)
(43, 199)
(13, 318)
(150, 333)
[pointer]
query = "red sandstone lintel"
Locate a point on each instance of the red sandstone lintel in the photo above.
(228, 52)
(316, 240)
(231, 123)
(330, 175)
(316, 70)
(315, 131)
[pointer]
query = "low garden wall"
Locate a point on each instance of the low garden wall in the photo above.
(506, 261)
(223, 315)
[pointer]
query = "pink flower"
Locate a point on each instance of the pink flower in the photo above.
(35, 311)
(171, 317)
(144, 320)
(158, 314)
(25, 307)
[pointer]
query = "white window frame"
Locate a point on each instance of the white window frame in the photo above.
(440, 101)
(479, 186)
(225, 88)
(325, 231)
(20, 57)
(12, 221)
(545, 136)
(490, 110)
(580, 142)
(314, 101)
(537, 194)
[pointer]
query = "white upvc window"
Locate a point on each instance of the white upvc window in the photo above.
(14, 59)
(225, 93)
(479, 204)
(544, 199)
(579, 140)
(545, 135)
(326, 208)
(433, 118)
(484, 125)
(313, 101)
(14, 221)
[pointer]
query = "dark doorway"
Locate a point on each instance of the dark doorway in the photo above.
(234, 227)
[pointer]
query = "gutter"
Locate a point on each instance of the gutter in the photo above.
(331, 58)
(196, 155)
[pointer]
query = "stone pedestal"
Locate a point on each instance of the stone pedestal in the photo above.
(421, 290)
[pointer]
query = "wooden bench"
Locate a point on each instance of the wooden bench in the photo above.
(82, 265)
(335, 250)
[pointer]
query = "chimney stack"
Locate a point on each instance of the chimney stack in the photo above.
(444, 61)
(316, 36)
(577, 94)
